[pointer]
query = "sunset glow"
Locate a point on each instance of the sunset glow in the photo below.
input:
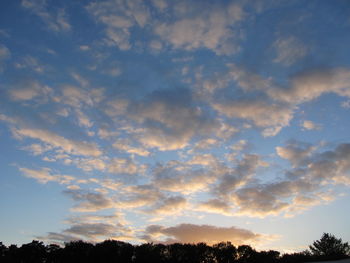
(175, 121)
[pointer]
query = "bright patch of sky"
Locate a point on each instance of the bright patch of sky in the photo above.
(175, 121)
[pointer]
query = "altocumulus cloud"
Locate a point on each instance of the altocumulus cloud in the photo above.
(190, 233)
(176, 112)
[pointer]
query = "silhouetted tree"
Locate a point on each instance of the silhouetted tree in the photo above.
(3, 249)
(77, 251)
(304, 256)
(33, 252)
(113, 251)
(330, 247)
(225, 252)
(54, 253)
(205, 253)
(246, 254)
(270, 256)
(12, 254)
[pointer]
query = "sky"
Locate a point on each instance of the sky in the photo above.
(175, 121)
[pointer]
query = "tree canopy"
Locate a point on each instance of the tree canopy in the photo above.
(330, 247)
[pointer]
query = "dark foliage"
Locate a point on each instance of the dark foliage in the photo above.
(328, 247)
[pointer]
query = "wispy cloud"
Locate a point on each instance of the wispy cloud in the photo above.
(56, 21)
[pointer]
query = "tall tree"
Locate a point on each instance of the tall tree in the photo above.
(330, 247)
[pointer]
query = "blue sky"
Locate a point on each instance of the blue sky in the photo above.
(175, 121)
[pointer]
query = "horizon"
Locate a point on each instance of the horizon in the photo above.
(175, 121)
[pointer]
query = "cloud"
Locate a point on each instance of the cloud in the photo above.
(83, 119)
(210, 27)
(57, 21)
(119, 17)
(32, 63)
(169, 206)
(331, 166)
(44, 176)
(309, 85)
(32, 90)
(309, 125)
(238, 176)
(216, 206)
(288, 197)
(301, 87)
(170, 119)
(5, 54)
(90, 164)
(257, 202)
(93, 228)
(261, 113)
(176, 177)
(80, 79)
(289, 50)
(124, 145)
(92, 231)
(57, 141)
(190, 233)
(295, 152)
(59, 237)
(309, 182)
(139, 196)
(204, 160)
(37, 149)
(124, 166)
(160, 4)
(79, 97)
(89, 201)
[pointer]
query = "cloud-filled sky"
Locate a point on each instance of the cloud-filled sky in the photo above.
(175, 121)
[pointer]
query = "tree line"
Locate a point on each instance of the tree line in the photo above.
(327, 248)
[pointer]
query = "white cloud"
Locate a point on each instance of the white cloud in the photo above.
(310, 182)
(44, 176)
(57, 141)
(32, 90)
(124, 166)
(31, 63)
(236, 177)
(88, 165)
(89, 201)
(261, 113)
(160, 4)
(289, 50)
(168, 206)
(54, 21)
(295, 152)
(216, 206)
(181, 179)
(190, 233)
(309, 125)
(139, 196)
(5, 54)
(124, 145)
(83, 119)
(211, 28)
(204, 160)
(84, 47)
(169, 119)
(37, 149)
(80, 79)
(78, 97)
(119, 16)
(307, 86)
